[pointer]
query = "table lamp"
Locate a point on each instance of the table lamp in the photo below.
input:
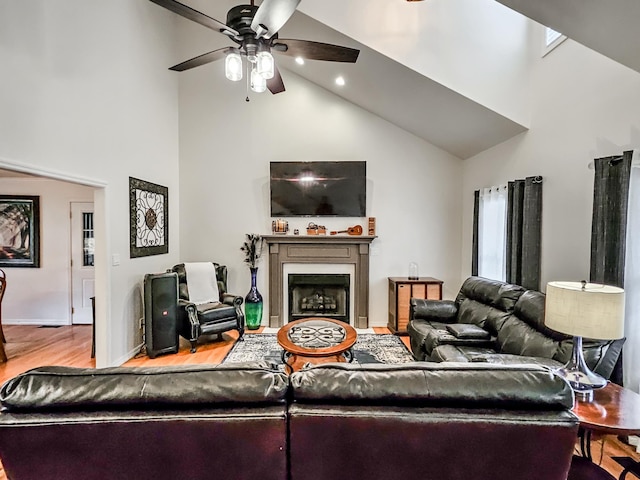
(586, 310)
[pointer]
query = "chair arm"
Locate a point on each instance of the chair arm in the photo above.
(230, 299)
(444, 311)
(187, 311)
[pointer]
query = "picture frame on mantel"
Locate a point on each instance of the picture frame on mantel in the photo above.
(20, 231)
(148, 218)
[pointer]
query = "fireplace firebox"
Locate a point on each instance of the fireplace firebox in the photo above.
(319, 295)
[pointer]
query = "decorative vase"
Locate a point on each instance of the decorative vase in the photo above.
(253, 303)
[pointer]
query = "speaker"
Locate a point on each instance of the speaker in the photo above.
(161, 313)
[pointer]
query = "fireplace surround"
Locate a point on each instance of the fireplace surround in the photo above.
(294, 253)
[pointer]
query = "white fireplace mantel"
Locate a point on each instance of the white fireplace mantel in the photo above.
(319, 249)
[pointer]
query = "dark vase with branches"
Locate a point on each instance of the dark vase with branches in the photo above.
(252, 249)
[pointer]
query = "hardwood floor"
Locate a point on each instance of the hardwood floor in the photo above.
(30, 346)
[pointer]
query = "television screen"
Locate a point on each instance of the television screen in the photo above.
(301, 189)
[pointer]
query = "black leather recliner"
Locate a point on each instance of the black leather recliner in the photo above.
(207, 318)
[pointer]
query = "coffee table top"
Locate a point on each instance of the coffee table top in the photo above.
(317, 336)
(614, 410)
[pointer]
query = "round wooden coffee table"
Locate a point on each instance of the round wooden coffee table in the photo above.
(316, 340)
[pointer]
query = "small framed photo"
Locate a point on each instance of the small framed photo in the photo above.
(19, 231)
(149, 218)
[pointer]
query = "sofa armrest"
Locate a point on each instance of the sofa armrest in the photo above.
(444, 311)
(608, 361)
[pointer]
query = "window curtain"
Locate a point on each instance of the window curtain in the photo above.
(524, 233)
(631, 353)
(609, 227)
(492, 232)
(474, 246)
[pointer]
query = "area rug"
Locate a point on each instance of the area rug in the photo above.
(369, 348)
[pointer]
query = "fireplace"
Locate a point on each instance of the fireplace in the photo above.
(319, 255)
(319, 295)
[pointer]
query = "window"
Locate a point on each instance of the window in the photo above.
(88, 241)
(551, 40)
(492, 233)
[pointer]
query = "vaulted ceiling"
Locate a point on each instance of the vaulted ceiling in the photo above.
(609, 27)
(441, 115)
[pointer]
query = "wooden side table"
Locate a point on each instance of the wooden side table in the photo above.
(614, 411)
(401, 291)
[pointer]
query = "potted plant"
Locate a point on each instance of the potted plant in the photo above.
(252, 248)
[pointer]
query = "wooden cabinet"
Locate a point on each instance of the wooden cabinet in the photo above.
(401, 290)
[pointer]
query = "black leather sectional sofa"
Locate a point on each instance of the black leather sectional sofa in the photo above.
(499, 323)
(235, 422)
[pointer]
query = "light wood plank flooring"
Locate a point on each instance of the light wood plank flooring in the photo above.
(30, 346)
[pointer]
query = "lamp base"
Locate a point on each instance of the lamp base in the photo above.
(582, 380)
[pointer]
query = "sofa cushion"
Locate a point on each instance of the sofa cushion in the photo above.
(506, 359)
(427, 384)
(484, 316)
(530, 309)
(437, 337)
(458, 353)
(500, 295)
(50, 388)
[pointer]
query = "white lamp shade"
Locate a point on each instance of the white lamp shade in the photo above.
(258, 83)
(233, 67)
(595, 311)
(265, 65)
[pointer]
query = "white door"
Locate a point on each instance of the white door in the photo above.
(82, 250)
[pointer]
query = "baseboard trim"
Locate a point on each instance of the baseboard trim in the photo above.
(127, 356)
(35, 321)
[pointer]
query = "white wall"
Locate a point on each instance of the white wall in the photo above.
(85, 94)
(586, 106)
(479, 48)
(226, 145)
(42, 295)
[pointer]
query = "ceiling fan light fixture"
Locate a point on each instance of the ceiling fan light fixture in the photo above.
(265, 65)
(233, 67)
(340, 81)
(300, 60)
(258, 82)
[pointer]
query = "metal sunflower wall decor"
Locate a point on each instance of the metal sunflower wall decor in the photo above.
(149, 218)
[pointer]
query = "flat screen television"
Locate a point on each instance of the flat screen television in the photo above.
(306, 189)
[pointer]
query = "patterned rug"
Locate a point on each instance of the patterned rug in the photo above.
(369, 348)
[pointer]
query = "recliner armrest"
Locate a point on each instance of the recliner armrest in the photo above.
(444, 311)
(230, 299)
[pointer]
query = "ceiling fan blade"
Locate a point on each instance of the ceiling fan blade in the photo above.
(316, 50)
(203, 59)
(195, 16)
(275, 84)
(271, 16)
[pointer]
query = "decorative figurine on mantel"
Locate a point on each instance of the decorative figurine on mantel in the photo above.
(252, 249)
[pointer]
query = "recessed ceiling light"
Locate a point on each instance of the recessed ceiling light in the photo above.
(300, 60)
(340, 81)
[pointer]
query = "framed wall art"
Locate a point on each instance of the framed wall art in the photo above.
(19, 231)
(149, 218)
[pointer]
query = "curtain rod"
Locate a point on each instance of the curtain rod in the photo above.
(635, 159)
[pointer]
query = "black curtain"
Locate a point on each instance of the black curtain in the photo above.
(609, 223)
(474, 246)
(524, 232)
(609, 226)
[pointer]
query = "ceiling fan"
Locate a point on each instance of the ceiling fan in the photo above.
(255, 31)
